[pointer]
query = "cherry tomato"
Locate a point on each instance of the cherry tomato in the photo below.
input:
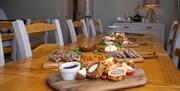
(103, 51)
(97, 46)
(129, 72)
(104, 77)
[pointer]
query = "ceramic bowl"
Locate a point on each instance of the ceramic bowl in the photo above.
(69, 70)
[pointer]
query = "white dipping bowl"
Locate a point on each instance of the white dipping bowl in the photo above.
(69, 74)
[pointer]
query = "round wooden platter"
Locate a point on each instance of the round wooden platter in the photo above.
(135, 80)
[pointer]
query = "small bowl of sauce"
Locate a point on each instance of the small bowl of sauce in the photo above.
(69, 70)
(70, 67)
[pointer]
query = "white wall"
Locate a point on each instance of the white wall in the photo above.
(109, 10)
(37, 9)
(106, 10)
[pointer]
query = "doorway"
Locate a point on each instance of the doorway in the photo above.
(80, 9)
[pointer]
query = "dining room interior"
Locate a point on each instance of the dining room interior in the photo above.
(89, 45)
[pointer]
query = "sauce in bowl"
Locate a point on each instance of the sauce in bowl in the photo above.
(70, 67)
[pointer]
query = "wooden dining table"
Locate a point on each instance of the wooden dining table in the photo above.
(29, 75)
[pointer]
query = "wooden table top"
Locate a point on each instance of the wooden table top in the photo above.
(28, 74)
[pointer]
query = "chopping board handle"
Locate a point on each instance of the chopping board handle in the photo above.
(50, 65)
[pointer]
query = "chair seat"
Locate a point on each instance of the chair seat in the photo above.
(43, 49)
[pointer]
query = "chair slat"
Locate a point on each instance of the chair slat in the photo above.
(35, 44)
(7, 50)
(78, 24)
(6, 37)
(39, 21)
(40, 27)
(5, 24)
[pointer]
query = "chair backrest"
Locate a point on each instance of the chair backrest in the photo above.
(22, 31)
(30, 21)
(2, 15)
(39, 21)
(177, 53)
(176, 45)
(8, 40)
(172, 35)
(37, 43)
(2, 60)
(92, 27)
(76, 24)
(96, 26)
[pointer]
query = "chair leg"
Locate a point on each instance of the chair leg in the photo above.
(46, 37)
(14, 45)
(179, 64)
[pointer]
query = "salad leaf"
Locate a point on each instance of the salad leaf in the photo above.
(81, 64)
(76, 50)
(101, 43)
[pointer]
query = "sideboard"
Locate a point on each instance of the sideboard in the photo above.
(156, 29)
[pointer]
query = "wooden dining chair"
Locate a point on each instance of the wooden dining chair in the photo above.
(3, 15)
(176, 47)
(2, 61)
(8, 40)
(72, 26)
(30, 21)
(22, 31)
(177, 52)
(37, 43)
(172, 35)
(95, 26)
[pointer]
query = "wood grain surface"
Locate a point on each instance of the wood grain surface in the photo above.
(137, 79)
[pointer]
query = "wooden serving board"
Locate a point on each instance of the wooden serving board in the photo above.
(135, 80)
(131, 46)
(136, 60)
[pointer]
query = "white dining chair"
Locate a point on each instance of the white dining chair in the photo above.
(92, 27)
(22, 31)
(95, 26)
(76, 24)
(176, 46)
(171, 37)
(2, 15)
(2, 60)
(177, 53)
(8, 40)
(99, 25)
(45, 35)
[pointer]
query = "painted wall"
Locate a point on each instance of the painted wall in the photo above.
(34, 9)
(109, 10)
(106, 10)
(37, 9)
